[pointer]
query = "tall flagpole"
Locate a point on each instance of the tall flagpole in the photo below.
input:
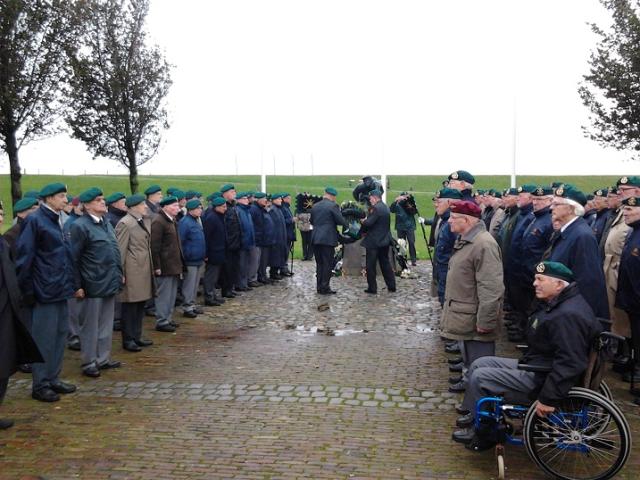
(514, 145)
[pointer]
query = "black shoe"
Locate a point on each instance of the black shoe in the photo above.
(242, 289)
(229, 295)
(74, 344)
(117, 325)
(456, 379)
(143, 342)
(391, 290)
(91, 371)
(150, 312)
(454, 360)
(452, 349)
(5, 423)
(277, 278)
(131, 346)
(413, 264)
(458, 388)
(174, 324)
(63, 387)
(255, 284)
(288, 274)
(45, 395)
(627, 376)
(198, 310)
(456, 367)
(463, 436)
(636, 400)
(460, 410)
(166, 328)
(189, 314)
(25, 368)
(327, 292)
(372, 292)
(109, 364)
(465, 421)
(212, 303)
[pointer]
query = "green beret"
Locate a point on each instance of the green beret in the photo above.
(556, 270)
(226, 187)
(601, 192)
(172, 190)
(193, 204)
(90, 195)
(218, 201)
(114, 197)
(189, 194)
(451, 193)
(31, 194)
(571, 193)
(242, 195)
(495, 193)
(69, 198)
(590, 196)
(168, 201)
(134, 200)
(629, 181)
(52, 189)
(527, 188)
(179, 194)
(612, 190)
(153, 189)
(542, 191)
(258, 195)
(375, 193)
(631, 202)
(251, 193)
(274, 196)
(480, 192)
(331, 191)
(462, 175)
(511, 191)
(24, 204)
(285, 194)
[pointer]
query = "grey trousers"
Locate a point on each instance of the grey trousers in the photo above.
(74, 317)
(497, 376)
(471, 350)
(264, 263)
(190, 284)
(211, 277)
(166, 291)
(49, 328)
(96, 329)
(254, 264)
(243, 268)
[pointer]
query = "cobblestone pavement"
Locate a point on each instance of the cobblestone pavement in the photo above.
(278, 384)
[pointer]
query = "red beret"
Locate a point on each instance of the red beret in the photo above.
(76, 201)
(466, 208)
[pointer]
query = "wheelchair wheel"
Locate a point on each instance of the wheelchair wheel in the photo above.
(605, 391)
(586, 438)
(500, 467)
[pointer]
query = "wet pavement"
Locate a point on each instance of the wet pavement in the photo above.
(279, 383)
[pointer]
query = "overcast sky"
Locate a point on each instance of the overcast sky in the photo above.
(355, 87)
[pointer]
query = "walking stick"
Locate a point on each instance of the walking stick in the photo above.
(291, 251)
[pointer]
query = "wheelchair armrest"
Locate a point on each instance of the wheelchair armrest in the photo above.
(534, 368)
(522, 348)
(612, 335)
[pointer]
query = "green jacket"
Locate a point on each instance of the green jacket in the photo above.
(404, 221)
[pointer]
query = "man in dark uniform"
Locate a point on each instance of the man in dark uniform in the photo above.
(614, 204)
(445, 239)
(462, 181)
(559, 335)
(325, 218)
(603, 212)
(231, 275)
(154, 195)
(377, 230)
(116, 208)
(574, 245)
(263, 227)
(628, 293)
(23, 208)
(290, 227)
(215, 241)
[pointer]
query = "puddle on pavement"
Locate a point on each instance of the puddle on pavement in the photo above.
(309, 331)
(423, 328)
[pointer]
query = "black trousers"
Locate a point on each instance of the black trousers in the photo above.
(634, 321)
(410, 237)
(231, 275)
(4, 382)
(521, 297)
(264, 263)
(324, 265)
(132, 316)
(307, 248)
(379, 255)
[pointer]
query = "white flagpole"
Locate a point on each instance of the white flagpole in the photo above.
(514, 145)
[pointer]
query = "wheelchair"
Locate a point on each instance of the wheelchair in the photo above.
(586, 438)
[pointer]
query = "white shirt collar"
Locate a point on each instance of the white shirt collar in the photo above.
(95, 219)
(564, 227)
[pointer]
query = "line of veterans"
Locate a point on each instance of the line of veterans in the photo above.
(488, 248)
(74, 269)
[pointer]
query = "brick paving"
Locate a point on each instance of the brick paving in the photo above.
(272, 385)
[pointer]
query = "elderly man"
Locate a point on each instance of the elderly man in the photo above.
(98, 278)
(574, 245)
(233, 228)
(133, 233)
(377, 238)
(559, 336)
(264, 235)
(628, 294)
(462, 181)
(444, 238)
(154, 196)
(290, 226)
(601, 206)
(168, 262)
(45, 275)
(475, 289)
(248, 242)
(23, 208)
(215, 241)
(325, 218)
(405, 223)
(195, 251)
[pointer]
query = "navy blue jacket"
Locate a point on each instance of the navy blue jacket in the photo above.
(377, 227)
(535, 241)
(325, 218)
(44, 263)
(514, 265)
(628, 294)
(246, 225)
(443, 251)
(232, 226)
(262, 226)
(590, 217)
(215, 237)
(577, 248)
(192, 241)
(559, 335)
(114, 215)
(279, 252)
(288, 220)
(601, 220)
(96, 257)
(506, 231)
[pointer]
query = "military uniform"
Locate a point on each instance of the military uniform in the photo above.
(377, 230)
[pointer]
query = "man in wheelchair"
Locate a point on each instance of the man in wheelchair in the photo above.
(559, 335)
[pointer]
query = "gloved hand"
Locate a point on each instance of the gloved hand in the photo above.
(421, 220)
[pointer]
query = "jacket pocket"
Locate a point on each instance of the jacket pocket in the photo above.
(461, 317)
(463, 307)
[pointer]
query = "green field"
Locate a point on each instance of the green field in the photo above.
(423, 187)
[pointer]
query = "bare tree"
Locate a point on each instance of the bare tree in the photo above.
(34, 35)
(119, 84)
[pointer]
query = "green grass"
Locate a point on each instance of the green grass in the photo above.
(423, 187)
